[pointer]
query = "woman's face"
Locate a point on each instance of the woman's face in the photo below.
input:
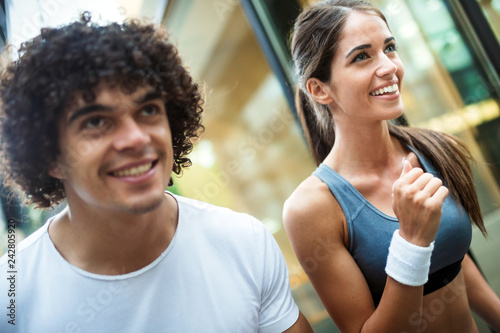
(366, 76)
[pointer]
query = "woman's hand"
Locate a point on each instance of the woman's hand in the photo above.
(417, 199)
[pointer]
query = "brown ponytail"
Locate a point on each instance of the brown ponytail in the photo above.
(319, 131)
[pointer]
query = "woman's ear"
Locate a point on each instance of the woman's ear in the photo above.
(319, 91)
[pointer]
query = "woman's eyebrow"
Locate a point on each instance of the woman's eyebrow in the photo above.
(367, 46)
(360, 47)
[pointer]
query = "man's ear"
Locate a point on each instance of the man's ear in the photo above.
(319, 91)
(55, 171)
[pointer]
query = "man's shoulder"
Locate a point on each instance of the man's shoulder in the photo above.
(27, 244)
(217, 219)
(200, 208)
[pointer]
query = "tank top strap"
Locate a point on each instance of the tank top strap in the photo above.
(426, 164)
(348, 197)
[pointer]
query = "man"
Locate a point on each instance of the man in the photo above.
(101, 116)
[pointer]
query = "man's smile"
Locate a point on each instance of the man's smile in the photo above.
(134, 171)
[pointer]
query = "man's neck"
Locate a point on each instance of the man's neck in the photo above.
(114, 244)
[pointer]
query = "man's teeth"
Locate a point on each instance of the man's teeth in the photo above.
(137, 171)
(385, 90)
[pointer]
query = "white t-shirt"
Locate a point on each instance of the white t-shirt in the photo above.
(222, 272)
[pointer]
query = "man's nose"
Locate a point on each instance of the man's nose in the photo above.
(130, 135)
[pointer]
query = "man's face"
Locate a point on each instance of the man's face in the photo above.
(116, 152)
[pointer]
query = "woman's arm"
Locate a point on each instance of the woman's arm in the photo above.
(317, 236)
(482, 299)
(315, 225)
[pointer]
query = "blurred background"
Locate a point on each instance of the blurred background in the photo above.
(253, 153)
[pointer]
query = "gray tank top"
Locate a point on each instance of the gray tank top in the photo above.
(370, 232)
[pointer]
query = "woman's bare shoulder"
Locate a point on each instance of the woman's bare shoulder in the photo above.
(313, 205)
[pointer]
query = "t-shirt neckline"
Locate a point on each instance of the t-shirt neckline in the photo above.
(129, 275)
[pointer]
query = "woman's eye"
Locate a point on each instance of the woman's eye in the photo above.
(391, 48)
(360, 57)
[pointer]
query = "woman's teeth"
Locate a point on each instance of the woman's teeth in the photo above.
(137, 171)
(385, 90)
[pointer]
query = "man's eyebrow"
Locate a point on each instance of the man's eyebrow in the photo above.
(148, 97)
(88, 109)
(99, 107)
(367, 46)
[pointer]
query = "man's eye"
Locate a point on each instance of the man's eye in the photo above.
(360, 57)
(95, 122)
(150, 110)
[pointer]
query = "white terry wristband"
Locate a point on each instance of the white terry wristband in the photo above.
(408, 263)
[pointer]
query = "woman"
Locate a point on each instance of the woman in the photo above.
(364, 226)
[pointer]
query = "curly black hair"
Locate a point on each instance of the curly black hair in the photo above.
(52, 67)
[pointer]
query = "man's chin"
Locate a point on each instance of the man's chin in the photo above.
(145, 207)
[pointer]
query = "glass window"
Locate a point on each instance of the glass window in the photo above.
(491, 9)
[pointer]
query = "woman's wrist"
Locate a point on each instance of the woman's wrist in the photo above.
(408, 263)
(418, 241)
